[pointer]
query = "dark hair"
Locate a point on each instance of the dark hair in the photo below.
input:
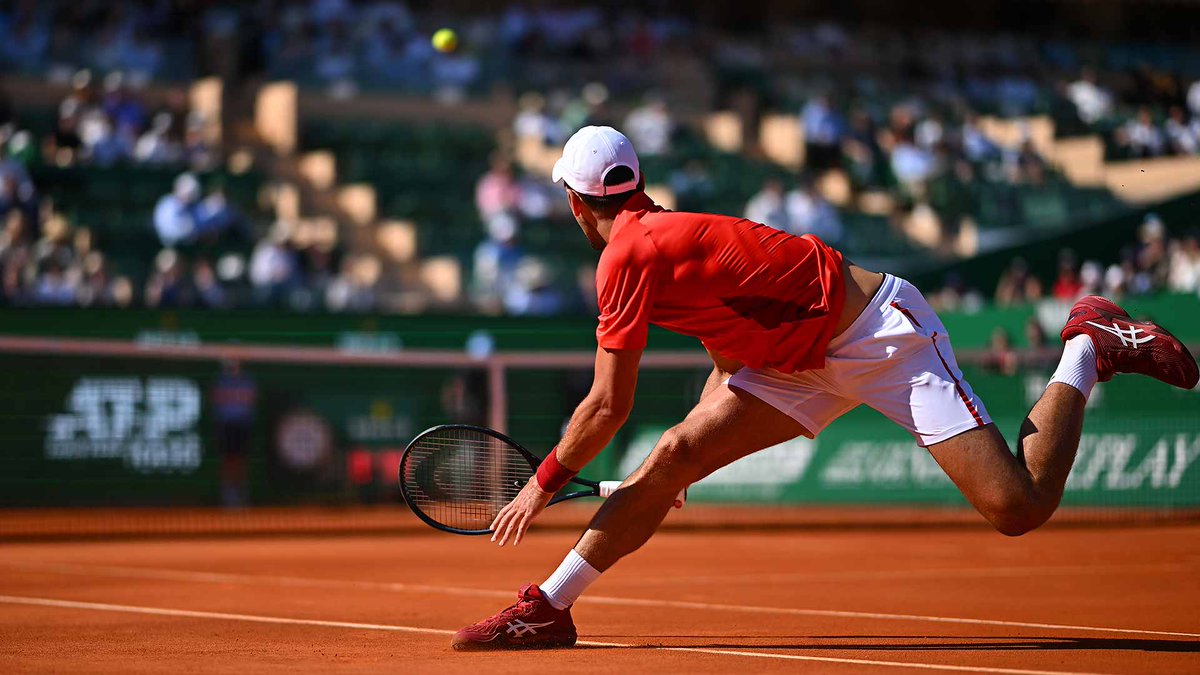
(608, 205)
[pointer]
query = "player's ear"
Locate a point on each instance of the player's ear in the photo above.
(577, 206)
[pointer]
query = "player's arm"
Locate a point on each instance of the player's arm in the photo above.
(594, 423)
(626, 278)
(723, 368)
(602, 413)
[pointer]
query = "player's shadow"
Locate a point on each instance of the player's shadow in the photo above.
(922, 643)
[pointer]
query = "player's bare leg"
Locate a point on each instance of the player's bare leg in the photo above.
(726, 426)
(1019, 493)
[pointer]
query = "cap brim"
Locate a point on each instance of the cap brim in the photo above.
(557, 174)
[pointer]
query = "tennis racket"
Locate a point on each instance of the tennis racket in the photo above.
(457, 477)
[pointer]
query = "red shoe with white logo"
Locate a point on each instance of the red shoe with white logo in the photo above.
(532, 623)
(1127, 346)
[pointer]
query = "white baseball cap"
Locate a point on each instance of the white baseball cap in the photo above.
(589, 155)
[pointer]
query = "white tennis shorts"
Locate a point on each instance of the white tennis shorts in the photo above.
(895, 358)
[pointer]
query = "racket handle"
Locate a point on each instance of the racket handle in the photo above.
(607, 487)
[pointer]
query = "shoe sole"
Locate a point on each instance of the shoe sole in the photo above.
(520, 646)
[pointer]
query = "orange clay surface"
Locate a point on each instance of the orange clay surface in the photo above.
(816, 600)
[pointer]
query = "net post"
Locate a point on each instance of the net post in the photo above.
(497, 395)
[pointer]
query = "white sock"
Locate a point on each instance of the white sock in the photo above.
(1078, 365)
(569, 581)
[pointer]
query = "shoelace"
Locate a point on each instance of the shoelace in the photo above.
(505, 615)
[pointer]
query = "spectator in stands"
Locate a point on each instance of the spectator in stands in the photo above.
(21, 148)
(156, 145)
(1023, 165)
(586, 109)
(768, 206)
(63, 145)
(912, 165)
(198, 153)
(1091, 278)
(1092, 102)
(691, 181)
(17, 192)
(956, 296)
(181, 217)
(809, 213)
(168, 285)
(98, 289)
(122, 106)
(1040, 355)
(534, 122)
(976, 146)
(861, 149)
(1181, 137)
(1002, 357)
(496, 262)
(1151, 255)
(1035, 334)
(274, 270)
(104, 147)
(1184, 276)
(650, 127)
(534, 293)
(1017, 285)
(497, 190)
(56, 285)
(209, 291)
(354, 290)
(1067, 287)
(175, 213)
(823, 131)
(1139, 137)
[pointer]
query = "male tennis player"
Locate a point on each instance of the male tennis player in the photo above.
(798, 336)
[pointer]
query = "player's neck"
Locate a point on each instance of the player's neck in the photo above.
(604, 227)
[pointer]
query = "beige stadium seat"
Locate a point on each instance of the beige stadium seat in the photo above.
(358, 202)
(442, 277)
(319, 168)
(723, 130)
(782, 140)
(275, 116)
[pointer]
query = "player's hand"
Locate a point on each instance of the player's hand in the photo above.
(515, 518)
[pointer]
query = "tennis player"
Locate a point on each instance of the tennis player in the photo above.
(798, 336)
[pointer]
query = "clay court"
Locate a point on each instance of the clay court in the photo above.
(952, 597)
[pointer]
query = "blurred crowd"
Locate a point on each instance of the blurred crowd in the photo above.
(109, 123)
(1155, 262)
(61, 36)
(897, 113)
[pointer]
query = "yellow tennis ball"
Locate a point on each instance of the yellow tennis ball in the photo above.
(445, 40)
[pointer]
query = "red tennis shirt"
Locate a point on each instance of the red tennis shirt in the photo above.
(749, 292)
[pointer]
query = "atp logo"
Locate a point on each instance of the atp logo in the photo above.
(1129, 337)
(519, 629)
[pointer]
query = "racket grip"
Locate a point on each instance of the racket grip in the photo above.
(607, 487)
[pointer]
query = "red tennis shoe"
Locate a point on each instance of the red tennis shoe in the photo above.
(532, 623)
(1127, 346)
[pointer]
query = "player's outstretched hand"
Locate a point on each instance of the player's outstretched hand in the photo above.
(515, 518)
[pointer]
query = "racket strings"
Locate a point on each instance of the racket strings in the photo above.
(461, 478)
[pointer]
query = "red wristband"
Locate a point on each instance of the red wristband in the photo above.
(552, 476)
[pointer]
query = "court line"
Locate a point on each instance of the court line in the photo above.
(924, 573)
(258, 618)
(309, 582)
